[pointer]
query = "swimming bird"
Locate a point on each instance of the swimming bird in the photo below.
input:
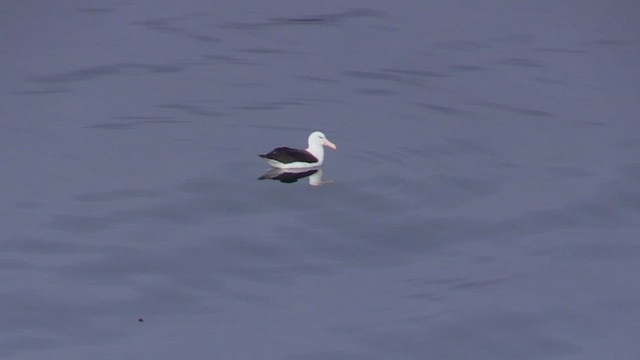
(289, 158)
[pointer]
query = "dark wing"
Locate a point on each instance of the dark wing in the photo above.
(288, 155)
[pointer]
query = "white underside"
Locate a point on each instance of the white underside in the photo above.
(293, 165)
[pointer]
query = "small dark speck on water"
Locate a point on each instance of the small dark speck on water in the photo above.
(140, 320)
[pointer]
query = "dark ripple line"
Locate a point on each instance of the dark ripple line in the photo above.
(311, 20)
(94, 72)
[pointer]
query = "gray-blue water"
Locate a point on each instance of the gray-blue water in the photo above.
(485, 202)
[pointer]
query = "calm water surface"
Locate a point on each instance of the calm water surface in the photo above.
(485, 200)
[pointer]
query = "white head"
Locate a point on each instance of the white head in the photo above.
(317, 139)
(316, 142)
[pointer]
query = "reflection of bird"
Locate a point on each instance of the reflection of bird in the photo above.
(292, 175)
(287, 176)
(289, 158)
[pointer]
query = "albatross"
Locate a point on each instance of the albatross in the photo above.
(289, 158)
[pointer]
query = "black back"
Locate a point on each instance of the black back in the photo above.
(288, 155)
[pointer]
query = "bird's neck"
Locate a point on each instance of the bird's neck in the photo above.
(317, 151)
